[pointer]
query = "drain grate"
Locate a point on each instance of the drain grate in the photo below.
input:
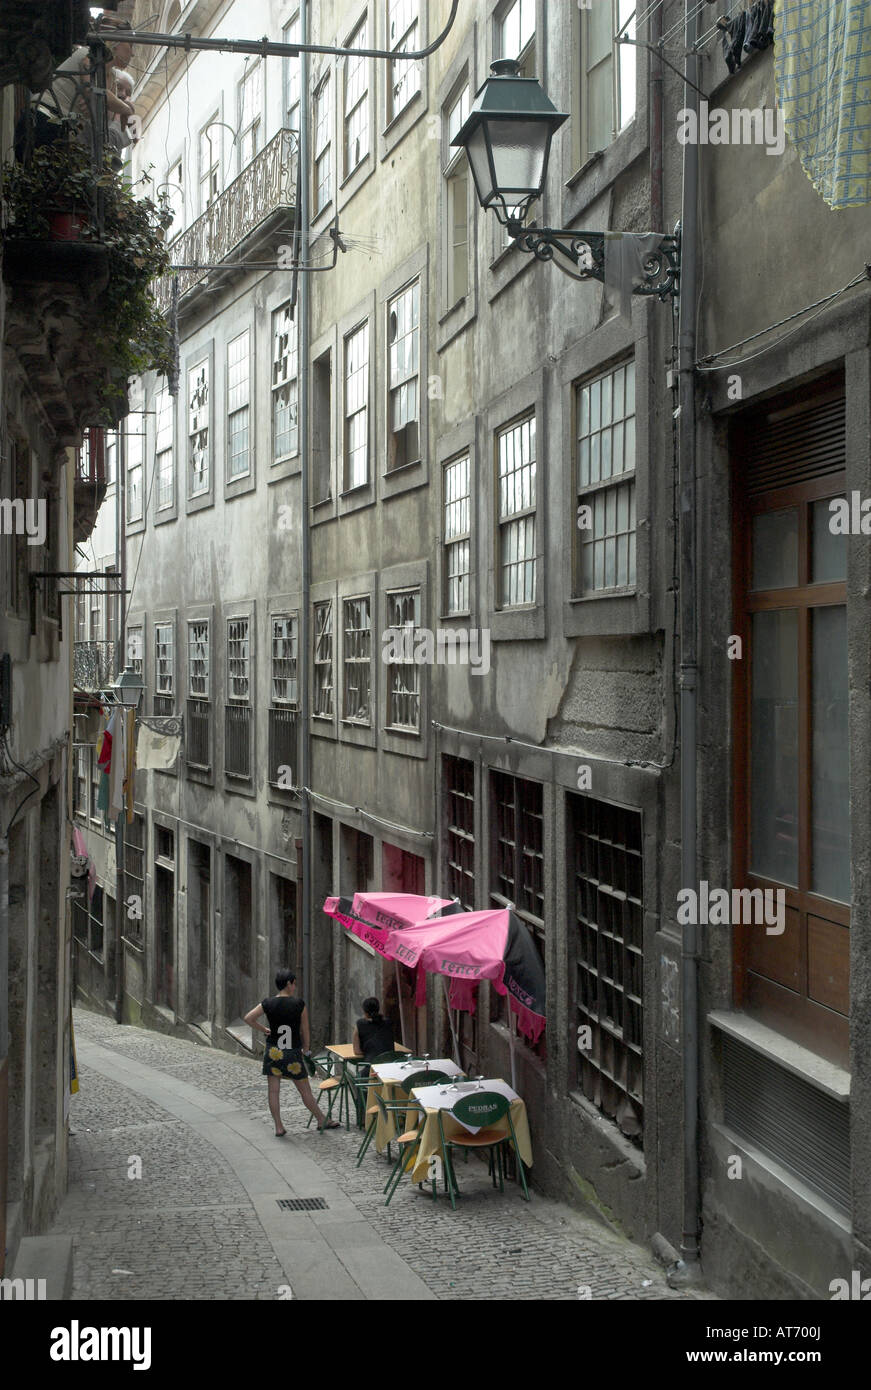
(303, 1204)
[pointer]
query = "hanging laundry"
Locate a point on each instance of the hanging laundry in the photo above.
(104, 746)
(823, 70)
(625, 256)
(80, 853)
(759, 26)
(158, 743)
(733, 29)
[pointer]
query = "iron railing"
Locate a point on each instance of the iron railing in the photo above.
(238, 723)
(265, 186)
(94, 665)
(283, 747)
(199, 734)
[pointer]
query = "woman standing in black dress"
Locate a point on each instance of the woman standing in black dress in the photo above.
(288, 1038)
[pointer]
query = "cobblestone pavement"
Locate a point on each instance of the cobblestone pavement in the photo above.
(176, 1232)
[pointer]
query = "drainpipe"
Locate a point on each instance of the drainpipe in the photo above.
(121, 564)
(688, 654)
(304, 310)
(657, 219)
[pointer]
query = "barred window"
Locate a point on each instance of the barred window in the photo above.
(284, 660)
(356, 104)
(164, 668)
(457, 534)
(517, 504)
(285, 384)
(198, 428)
(198, 657)
(134, 878)
(323, 662)
(323, 146)
(605, 859)
(165, 463)
(517, 858)
(403, 34)
(134, 430)
(238, 406)
(606, 509)
(357, 408)
(80, 781)
(238, 661)
(403, 338)
(403, 674)
(357, 661)
(135, 649)
(459, 785)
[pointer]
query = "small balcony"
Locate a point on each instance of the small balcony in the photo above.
(90, 485)
(260, 202)
(95, 666)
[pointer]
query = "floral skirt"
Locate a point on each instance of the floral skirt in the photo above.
(286, 1063)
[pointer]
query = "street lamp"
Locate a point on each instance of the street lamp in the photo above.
(128, 688)
(507, 137)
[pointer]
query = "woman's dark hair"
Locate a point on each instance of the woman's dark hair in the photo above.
(284, 977)
(372, 1009)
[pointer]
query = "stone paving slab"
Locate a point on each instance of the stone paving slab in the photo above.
(202, 1221)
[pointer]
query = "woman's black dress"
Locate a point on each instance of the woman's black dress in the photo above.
(284, 1011)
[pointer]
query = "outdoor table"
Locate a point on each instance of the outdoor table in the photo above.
(436, 1098)
(391, 1075)
(344, 1053)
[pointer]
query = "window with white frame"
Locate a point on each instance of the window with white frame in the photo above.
(458, 534)
(134, 430)
(323, 661)
(238, 406)
(198, 429)
(94, 805)
(606, 480)
(80, 782)
(516, 452)
(608, 74)
(198, 734)
(238, 661)
(292, 76)
(403, 340)
(357, 408)
(199, 673)
(210, 161)
(164, 668)
(285, 637)
(457, 182)
(356, 102)
(403, 673)
(516, 34)
(357, 657)
(323, 145)
(136, 650)
(175, 195)
(250, 111)
(285, 384)
(164, 459)
(403, 31)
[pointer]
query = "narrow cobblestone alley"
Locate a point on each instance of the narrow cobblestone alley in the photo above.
(203, 1221)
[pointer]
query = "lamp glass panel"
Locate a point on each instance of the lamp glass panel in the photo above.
(519, 149)
(480, 162)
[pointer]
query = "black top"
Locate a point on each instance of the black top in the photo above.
(284, 1011)
(375, 1038)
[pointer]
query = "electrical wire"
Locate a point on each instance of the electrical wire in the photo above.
(707, 364)
(4, 744)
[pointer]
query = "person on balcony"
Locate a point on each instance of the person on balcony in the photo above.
(120, 132)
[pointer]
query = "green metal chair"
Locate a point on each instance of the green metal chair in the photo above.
(418, 1078)
(363, 1084)
(330, 1084)
(483, 1109)
(406, 1142)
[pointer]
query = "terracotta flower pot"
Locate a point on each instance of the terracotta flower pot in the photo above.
(66, 226)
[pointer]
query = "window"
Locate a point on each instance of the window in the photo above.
(135, 649)
(164, 669)
(403, 338)
(403, 37)
(134, 878)
(356, 102)
(210, 162)
(457, 203)
(457, 535)
(163, 407)
(164, 918)
(284, 712)
(607, 74)
(134, 428)
(605, 864)
(357, 408)
(80, 780)
(175, 193)
(198, 429)
(517, 860)
(516, 34)
(357, 703)
(606, 509)
(403, 673)
(94, 809)
(323, 662)
(198, 742)
(517, 501)
(322, 427)
(323, 147)
(88, 922)
(238, 711)
(250, 111)
(459, 786)
(238, 412)
(285, 385)
(292, 76)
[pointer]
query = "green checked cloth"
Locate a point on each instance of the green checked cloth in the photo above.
(823, 67)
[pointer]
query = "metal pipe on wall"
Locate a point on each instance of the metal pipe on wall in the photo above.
(303, 251)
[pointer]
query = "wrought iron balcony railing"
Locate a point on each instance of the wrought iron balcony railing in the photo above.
(94, 665)
(265, 187)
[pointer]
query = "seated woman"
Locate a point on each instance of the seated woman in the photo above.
(373, 1034)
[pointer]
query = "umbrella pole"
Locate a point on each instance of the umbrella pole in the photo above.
(451, 1021)
(512, 1035)
(401, 1007)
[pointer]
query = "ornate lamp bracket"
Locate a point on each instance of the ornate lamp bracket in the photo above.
(582, 256)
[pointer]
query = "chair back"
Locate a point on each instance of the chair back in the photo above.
(423, 1078)
(386, 1057)
(481, 1108)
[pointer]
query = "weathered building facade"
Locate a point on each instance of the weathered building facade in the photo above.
(464, 404)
